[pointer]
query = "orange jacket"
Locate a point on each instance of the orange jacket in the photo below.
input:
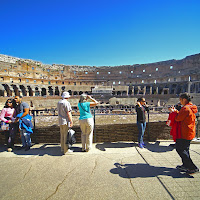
(187, 118)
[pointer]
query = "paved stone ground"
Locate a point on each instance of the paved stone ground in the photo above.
(110, 171)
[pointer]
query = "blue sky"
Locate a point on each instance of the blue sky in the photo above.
(99, 32)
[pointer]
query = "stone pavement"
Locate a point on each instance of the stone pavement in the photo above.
(110, 171)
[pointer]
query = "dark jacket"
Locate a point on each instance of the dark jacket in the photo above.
(141, 113)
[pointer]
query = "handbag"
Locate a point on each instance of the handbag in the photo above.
(4, 126)
(70, 138)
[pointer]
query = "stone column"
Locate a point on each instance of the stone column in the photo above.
(144, 90)
(156, 90)
(20, 92)
(189, 85)
(139, 88)
(11, 92)
(150, 89)
(4, 93)
(27, 91)
(158, 102)
(33, 90)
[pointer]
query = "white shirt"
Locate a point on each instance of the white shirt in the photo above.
(63, 107)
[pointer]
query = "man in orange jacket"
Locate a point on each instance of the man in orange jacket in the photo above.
(188, 130)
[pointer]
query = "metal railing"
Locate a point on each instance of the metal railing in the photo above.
(100, 111)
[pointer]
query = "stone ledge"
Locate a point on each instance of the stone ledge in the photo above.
(104, 133)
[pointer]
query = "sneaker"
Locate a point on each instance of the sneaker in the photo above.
(69, 151)
(172, 145)
(9, 150)
(20, 148)
(192, 171)
(141, 146)
(182, 168)
(27, 148)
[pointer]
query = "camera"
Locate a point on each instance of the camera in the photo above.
(178, 106)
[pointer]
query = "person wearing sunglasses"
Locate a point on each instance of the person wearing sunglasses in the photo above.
(5, 117)
(141, 109)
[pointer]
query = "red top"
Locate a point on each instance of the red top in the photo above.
(176, 126)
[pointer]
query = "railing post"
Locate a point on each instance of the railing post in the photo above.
(148, 128)
(197, 125)
(95, 138)
(34, 131)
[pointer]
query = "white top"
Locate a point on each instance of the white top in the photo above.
(63, 107)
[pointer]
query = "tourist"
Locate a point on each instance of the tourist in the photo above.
(188, 129)
(24, 120)
(86, 121)
(175, 131)
(6, 116)
(65, 120)
(141, 120)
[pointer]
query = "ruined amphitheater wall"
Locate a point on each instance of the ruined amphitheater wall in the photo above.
(32, 78)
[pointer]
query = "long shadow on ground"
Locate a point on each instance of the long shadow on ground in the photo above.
(155, 147)
(45, 149)
(145, 171)
(106, 145)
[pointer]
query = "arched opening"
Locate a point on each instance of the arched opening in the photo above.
(124, 93)
(118, 93)
(23, 89)
(37, 92)
(16, 90)
(50, 91)
(57, 91)
(173, 89)
(44, 92)
(148, 89)
(136, 90)
(160, 90)
(130, 90)
(30, 91)
(70, 92)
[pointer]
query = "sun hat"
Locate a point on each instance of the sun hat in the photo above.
(65, 95)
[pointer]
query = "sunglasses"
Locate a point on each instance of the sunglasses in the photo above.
(9, 102)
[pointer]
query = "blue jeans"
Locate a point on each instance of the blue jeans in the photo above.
(25, 138)
(141, 128)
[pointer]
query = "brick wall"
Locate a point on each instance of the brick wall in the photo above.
(104, 133)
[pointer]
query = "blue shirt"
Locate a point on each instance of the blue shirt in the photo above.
(84, 109)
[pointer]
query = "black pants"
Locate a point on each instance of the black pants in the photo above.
(182, 148)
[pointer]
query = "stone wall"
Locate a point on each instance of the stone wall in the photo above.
(104, 133)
